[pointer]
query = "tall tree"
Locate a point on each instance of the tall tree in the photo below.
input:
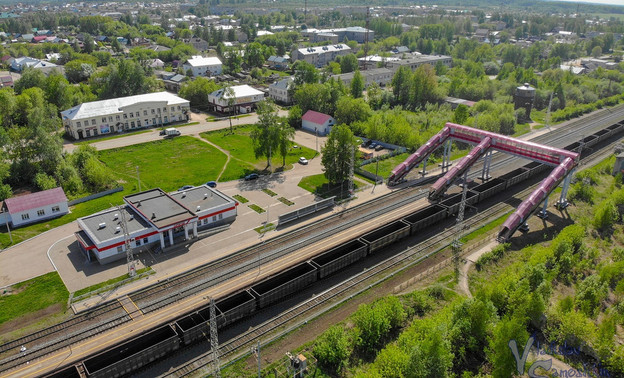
(348, 63)
(338, 154)
(401, 85)
(265, 135)
(285, 135)
(197, 91)
(357, 84)
(230, 98)
(122, 78)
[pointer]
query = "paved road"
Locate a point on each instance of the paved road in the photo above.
(153, 134)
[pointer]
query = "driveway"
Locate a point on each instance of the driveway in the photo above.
(153, 134)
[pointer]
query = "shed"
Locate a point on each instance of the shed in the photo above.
(35, 207)
(316, 122)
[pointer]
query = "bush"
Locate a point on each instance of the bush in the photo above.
(582, 192)
(606, 215)
(590, 294)
(492, 256)
(374, 322)
(44, 182)
(333, 348)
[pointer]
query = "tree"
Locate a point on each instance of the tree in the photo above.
(197, 91)
(348, 63)
(338, 154)
(596, 52)
(122, 78)
(232, 62)
(30, 78)
(78, 70)
(461, 114)
(401, 85)
(332, 348)
(305, 73)
(431, 358)
(499, 353)
(285, 135)
(87, 44)
(357, 84)
(294, 116)
(265, 135)
(350, 110)
(230, 98)
(423, 87)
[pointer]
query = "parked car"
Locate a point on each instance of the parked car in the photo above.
(185, 187)
(212, 184)
(251, 176)
(303, 161)
(379, 147)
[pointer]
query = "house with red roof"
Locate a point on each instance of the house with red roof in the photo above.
(35, 207)
(317, 123)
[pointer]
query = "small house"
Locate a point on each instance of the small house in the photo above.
(35, 207)
(317, 123)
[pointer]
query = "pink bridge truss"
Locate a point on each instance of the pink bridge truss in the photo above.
(564, 160)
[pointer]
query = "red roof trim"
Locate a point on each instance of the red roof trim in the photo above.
(315, 117)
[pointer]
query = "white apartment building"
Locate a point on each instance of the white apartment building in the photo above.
(245, 99)
(381, 76)
(321, 55)
(123, 114)
(278, 91)
(203, 66)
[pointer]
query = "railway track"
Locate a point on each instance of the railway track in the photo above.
(238, 346)
(169, 291)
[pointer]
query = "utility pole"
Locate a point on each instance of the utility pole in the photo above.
(256, 351)
(376, 175)
(124, 226)
(214, 339)
(366, 38)
(305, 13)
(351, 168)
(138, 177)
(457, 245)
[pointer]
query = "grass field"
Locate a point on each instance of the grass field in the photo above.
(243, 161)
(385, 166)
(167, 164)
(319, 185)
(32, 295)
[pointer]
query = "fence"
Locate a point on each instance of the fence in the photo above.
(310, 209)
(397, 151)
(368, 175)
(94, 196)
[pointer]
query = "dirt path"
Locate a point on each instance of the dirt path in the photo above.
(470, 260)
(226, 152)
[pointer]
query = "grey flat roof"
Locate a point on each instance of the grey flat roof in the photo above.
(202, 196)
(159, 208)
(135, 223)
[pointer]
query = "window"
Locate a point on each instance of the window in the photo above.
(178, 107)
(147, 122)
(55, 209)
(132, 124)
(110, 119)
(165, 109)
(172, 108)
(144, 112)
(139, 123)
(25, 216)
(78, 124)
(117, 117)
(125, 116)
(103, 119)
(138, 242)
(119, 249)
(144, 240)
(93, 122)
(220, 216)
(205, 220)
(40, 212)
(214, 218)
(153, 111)
(131, 115)
(158, 110)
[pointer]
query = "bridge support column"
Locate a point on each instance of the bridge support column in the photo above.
(446, 158)
(487, 161)
(543, 214)
(424, 170)
(563, 200)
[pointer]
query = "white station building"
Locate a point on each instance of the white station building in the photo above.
(154, 218)
(245, 99)
(124, 113)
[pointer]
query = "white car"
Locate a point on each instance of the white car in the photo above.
(303, 161)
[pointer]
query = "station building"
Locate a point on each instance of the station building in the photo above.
(124, 113)
(154, 218)
(245, 99)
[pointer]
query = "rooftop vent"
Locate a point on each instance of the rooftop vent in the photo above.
(117, 229)
(205, 195)
(115, 216)
(183, 194)
(131, 217)
(101, 225)
(198, 208)
(153, 215)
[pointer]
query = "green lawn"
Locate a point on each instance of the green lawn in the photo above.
(32, 295)
(521, 129)
(319, 185)
(243, 161)
(385, 166)
(168, 163)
